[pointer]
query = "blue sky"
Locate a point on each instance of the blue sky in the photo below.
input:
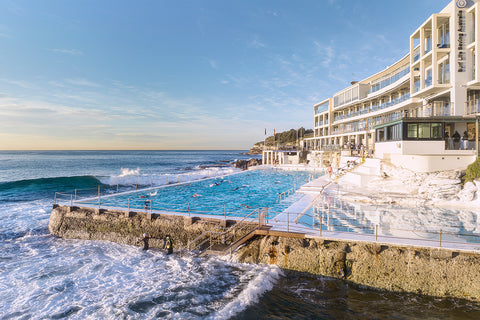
(185, 74)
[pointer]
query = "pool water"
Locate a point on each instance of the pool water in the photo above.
(333, 214)
(234, 195)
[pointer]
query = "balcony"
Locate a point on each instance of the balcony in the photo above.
(434, 109)
(428, 45)
(374, 108)
(416, 55)
(472, 107)
(388, 80)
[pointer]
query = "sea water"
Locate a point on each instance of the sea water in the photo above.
(44, 277)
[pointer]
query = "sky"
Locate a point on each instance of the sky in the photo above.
(198, 74)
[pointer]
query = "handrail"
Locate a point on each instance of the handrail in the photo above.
(236, 226)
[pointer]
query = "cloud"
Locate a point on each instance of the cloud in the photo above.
(212, 63)
(22, 84)
(73, 52)
(82, 82)
(256, 43)
(326, 54)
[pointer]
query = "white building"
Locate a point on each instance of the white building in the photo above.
(421, 112)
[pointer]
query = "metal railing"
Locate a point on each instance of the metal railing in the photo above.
(472, 107)
(229, 236)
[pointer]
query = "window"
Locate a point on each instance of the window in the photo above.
(428, 77)
(412, 130)
(444, 72)
(424, 131)
(436, 130)
(444, 36)
(381, 135)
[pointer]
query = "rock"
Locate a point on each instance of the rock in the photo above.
(468, 192)
(244, 164)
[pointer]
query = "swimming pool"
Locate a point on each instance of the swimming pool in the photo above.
(234, 195)
(432, 224)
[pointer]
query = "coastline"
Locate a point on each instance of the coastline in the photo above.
(439, 272)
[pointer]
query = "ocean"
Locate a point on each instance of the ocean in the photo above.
(44, 277)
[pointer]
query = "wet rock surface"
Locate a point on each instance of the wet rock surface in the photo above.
(433, 272)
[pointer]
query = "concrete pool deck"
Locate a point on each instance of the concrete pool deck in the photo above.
(288, 221)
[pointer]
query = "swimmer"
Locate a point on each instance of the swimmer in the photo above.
(244, 205)
(195, 195)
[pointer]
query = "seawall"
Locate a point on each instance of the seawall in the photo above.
(128, 227)
(435, 272)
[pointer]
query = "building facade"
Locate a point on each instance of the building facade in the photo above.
(422, 111)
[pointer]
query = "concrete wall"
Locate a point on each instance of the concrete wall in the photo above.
(420, 163)
(409, 147)
(122, 227)
(433, 272)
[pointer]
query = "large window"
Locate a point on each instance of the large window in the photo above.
(412, 130)
(444, 36)
(424, 131)
(390, 133)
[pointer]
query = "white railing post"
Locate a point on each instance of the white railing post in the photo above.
(321, 217)
(288, 221)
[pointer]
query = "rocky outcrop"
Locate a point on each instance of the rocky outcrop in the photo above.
(257, 149)
(433, 272)
(244, 164)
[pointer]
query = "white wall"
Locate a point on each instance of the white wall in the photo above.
(432, 163)
(409, 147)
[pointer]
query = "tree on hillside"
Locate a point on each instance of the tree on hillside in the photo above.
(286, 137)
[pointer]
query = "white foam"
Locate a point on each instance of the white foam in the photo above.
(264, 278)
(135, 177)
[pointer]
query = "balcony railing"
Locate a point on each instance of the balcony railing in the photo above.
(388, 80)
(472, 107)
(438, 109)
(416, 54)
(374, 108)
(428, 45)
(428, 82)
(416, 86)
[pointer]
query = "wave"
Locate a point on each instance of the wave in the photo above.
(32, 189)
(129, 177)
